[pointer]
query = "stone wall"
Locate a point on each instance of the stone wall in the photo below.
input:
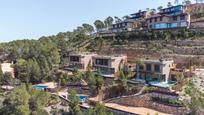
(145, 101)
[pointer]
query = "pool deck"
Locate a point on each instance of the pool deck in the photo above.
(134, 110)
(161, 84)
(50, 85)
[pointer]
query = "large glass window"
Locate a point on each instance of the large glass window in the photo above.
(157, 26)
(174, 25)
(124, 24)
(102, 62)
(183, 24)
(161, 26)
(149, 67)
(174, 18)
(141, 67)
(74, 58)
(161, 18)
(155, 19)
(182, 17)
(157, 68)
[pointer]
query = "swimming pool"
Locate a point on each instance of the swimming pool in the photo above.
(162, 84)
(82, 98)
(40, 87)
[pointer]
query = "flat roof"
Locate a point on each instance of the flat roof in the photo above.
(156, 61)
(171, 7)
(138, 13)
(109, 56)
(82, 53)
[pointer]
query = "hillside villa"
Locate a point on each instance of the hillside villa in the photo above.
(108, 66)
(169, 18)
(80, 61)
(122, 26)
(154, 71)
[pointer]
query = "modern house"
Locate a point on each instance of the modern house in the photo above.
(139, 19)
(80, 61)
(7, 68)
(169, 18)
(154, 70)
(108, 66)
(136, 21)
(123, 26)
(139, 15)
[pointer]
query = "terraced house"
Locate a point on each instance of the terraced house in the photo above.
(80, 61)
(108, 66)
(136, 21)
(139, 19)
(123, 26)
(169, 18)
(154, 70)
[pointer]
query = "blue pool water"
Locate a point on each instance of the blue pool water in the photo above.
(82, 98)
(40, 87)
(162, 84)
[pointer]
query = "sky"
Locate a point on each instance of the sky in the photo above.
(31, 19)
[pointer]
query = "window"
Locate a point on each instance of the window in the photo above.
(102, 62)
(124, 24)
(160, 26)
(184, 24)
(150, 20)
(157, 68)
(141, 67)
(174, 25)
(182, 17)
(149, 67)
(161, 18)
(74, 58)
(155, 19)
(174, 18)
(121, 25)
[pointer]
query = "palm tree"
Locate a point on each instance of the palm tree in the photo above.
(117, 19)
(148, 9)
(186, 2)
(99, 25)
(126, 17)
(176, 2)
(108, 21)
(159, 8)
(152, 11)
(88, 28)
(169, 4)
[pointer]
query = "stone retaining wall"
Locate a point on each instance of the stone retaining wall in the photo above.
(144, 101)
